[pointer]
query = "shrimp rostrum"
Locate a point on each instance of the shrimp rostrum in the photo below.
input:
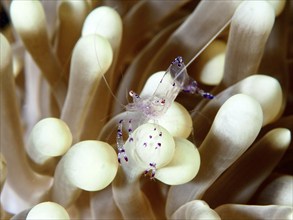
(143, 109)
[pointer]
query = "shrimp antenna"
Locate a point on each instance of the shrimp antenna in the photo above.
(202, 49)
(105, 80)
(206, 45)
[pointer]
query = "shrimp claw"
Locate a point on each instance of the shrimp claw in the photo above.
(182, 79)
(194, 89)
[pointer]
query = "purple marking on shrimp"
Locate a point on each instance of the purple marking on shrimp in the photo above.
(144, 144)
(119, 133)
(150, 136)
(160, 134)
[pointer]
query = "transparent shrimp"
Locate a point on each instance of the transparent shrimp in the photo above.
(158, 103)
(144, 109)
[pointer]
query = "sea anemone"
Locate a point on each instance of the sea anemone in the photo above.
(66, 67)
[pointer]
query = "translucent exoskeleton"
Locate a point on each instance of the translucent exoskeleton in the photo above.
(175, 80)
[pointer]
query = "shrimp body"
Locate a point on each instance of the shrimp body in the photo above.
(150, 108)
(175, 80)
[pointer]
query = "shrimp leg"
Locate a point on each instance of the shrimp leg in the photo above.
(152, 168)
(120, 141)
